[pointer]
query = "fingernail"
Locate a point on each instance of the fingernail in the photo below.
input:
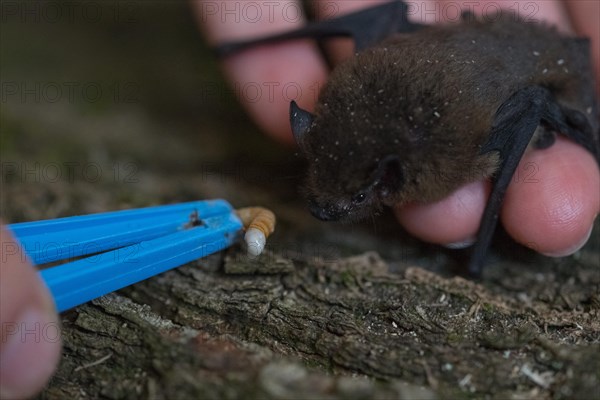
(572, 249)
(461, 245)
(30, 352)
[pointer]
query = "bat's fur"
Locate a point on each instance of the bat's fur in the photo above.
(428, 99)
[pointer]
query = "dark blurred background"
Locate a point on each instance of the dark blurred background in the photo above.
(123, 95)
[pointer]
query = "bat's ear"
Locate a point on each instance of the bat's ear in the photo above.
(301, 120)
(388, 176)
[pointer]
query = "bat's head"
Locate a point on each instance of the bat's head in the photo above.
(380, 136)
(350, 176)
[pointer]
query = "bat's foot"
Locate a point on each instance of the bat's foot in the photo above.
(544, 138)
(475, 269)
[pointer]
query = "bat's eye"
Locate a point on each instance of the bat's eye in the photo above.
(359, 198)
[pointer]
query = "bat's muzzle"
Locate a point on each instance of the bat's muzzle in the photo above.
(327, 213)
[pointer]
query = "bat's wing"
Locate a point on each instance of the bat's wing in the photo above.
(366, 27)
(514, 125)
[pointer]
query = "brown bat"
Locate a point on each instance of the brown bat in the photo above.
(422, 110)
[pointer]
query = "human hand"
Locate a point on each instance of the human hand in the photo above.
(554, 216)
(30, 347)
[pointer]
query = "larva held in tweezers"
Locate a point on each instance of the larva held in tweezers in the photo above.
(259, 224)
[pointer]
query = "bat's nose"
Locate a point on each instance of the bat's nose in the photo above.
(326, 213)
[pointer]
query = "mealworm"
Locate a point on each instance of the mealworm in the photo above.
(259, 223)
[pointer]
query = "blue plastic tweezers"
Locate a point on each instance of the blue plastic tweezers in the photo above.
(124, 247)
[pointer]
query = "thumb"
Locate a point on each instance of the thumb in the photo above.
(30, 332)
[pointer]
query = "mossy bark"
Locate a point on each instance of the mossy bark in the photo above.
(344, 329)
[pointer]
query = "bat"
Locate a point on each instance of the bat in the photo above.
(421, 110)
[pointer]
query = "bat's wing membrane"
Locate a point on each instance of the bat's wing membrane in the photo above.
(366, 27)
(514, 125)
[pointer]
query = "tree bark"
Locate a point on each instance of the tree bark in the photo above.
(223, 327)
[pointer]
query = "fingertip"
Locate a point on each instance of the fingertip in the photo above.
(30, 354)
(576, 246)
(554, 199)
(267, 78)
(31, 341)
(450, 221)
